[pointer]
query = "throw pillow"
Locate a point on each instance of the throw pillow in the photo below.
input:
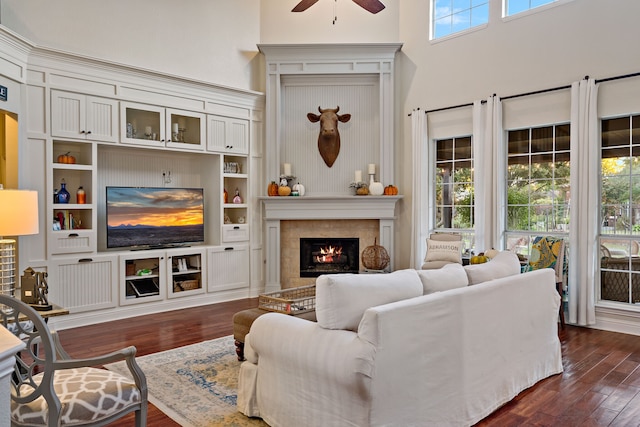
(504, 264)
(450, 276)
(341, 299)
(438, 250)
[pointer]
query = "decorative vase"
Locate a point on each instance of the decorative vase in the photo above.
(63, 194)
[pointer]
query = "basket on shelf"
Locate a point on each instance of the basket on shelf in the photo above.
(186, 285)
(375, 257)
(289, 301)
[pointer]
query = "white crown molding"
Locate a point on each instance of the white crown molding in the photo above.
(330, 52)
(19, 57)
(14, 55)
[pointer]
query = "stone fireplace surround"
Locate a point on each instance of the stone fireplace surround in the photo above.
(289, 218)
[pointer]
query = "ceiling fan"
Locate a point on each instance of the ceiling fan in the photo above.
(373, 6)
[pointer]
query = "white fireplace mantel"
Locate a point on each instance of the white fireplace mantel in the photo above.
(276, 209)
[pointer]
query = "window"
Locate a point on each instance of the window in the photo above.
(538, 192)
(453, 16)
(513, 7)
(620, 210)
(454, 194)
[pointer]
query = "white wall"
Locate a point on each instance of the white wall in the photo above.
(208, 40)
(214, 40)
(315, 25)
(550, 48)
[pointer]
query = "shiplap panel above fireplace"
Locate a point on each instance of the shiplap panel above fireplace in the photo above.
(325, 69)
(360, 136)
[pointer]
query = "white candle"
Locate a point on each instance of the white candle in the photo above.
(147, 130)
(358, 176)
(175, 128)
(287, 169)
(372, 168)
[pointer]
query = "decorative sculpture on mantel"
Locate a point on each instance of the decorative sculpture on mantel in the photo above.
(329, 137)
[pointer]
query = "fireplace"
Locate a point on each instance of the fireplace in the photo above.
(328, 256)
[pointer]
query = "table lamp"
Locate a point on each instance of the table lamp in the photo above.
(18, 217)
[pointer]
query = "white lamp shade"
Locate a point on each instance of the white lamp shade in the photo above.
(18, 212)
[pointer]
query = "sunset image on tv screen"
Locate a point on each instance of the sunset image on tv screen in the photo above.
(154, 216)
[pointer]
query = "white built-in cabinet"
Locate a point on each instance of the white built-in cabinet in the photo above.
(84, 283)
(75, 116)
(71, 225)
(155, 126)
(95, 141)
(235, 175)
(186, 272)
(228, 135)
(228, 267)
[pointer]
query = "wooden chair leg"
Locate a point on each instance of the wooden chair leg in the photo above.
(559, 288)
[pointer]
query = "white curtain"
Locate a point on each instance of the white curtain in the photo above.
(583, 217)
(420, 192)
(489, 171)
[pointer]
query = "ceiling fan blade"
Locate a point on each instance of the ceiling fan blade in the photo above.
(304, 5)
(373, 6)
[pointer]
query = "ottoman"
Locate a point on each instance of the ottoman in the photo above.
(243, 320)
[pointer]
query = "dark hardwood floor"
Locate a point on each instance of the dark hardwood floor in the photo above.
(600, 385)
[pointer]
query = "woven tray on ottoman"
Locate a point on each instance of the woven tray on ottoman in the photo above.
(290, 301)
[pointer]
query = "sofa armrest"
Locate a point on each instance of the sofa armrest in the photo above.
(303, 371)
(290, 341)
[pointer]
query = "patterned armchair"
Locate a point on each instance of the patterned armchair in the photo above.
(550, 252)
(49, 388)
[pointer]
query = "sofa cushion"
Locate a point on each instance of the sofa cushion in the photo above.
(450, 276)
(504, 264)
(439, 250)
(341, 299)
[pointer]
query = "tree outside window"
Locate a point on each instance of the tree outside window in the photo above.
(538, 184)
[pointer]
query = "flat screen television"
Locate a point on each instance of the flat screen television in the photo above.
(150, 217)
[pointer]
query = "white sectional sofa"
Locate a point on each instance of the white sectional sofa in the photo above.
(411, 348)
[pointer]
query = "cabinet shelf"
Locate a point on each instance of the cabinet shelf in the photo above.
(72, 166)
(185, 272)
(235, 175)
(235, 205)
(146, 276)
(73, 206)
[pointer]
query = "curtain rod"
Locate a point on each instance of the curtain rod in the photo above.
(607, 79)
(470, 104)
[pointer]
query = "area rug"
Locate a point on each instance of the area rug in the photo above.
(195, 385)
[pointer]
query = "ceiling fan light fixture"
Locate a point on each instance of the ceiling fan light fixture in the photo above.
(372, 6)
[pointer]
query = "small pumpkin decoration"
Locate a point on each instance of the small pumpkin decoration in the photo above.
(66, 158)
(362, 191)
(272, 189)
(284, 190)
(478, 259)
(390, 190)
(491, 253)
(299, 188)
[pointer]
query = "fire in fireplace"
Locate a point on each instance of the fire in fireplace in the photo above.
(328, 256)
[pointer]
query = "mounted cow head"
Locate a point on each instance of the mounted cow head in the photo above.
(329, 138)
